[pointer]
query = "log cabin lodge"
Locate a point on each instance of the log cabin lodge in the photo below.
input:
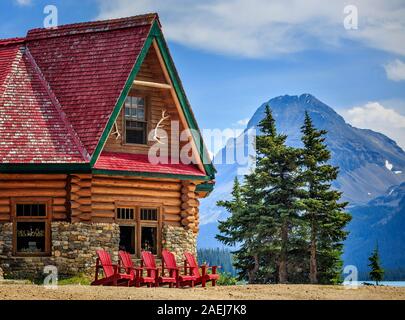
(77, 104)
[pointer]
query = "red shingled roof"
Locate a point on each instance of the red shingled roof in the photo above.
(59, 88)
(31, 129)
(141, 163)
(87, 66)
(8, 52)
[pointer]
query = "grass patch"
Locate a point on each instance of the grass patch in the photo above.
(75, 280)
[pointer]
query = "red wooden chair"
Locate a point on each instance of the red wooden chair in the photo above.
(169, 263)
(149, 263)
(112, 275)
(137, 277)
(203, 277)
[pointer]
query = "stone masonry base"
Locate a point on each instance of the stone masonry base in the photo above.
(74, 245)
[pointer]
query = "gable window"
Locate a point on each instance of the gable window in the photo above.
(139, 229)
(135, 120)
(31, 228)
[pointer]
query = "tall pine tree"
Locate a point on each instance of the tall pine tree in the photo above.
(323, 213)
(277, 175)
(240, 229)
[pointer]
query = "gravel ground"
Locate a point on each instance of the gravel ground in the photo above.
(258, 292)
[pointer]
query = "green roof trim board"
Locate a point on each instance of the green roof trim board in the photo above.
(150, 175)
(46, 168)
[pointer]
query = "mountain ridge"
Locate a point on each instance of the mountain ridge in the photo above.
(361, 154)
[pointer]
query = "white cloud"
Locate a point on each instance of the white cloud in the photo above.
(395, 70)
(376, 117)
(243, 122)
(262, 28)
(23, 2)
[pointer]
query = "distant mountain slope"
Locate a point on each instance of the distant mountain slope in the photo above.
(369, 162)
(382, 220)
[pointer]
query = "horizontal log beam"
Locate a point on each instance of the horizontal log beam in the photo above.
(130, 200)
(135, 192)
(53, 193)
(26, 177)
(171, 186)
(155, 85)
(16, 184)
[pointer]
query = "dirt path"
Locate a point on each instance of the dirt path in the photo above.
(260, 292)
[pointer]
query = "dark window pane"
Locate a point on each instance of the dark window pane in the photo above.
(127, 239)
(149, 239)
(135, 132)
(149, 214)
(31, 237)
(125, 214)
(31, 210)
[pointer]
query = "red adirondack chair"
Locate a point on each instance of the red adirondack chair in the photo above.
(169, 263)
(149, 263)
(137, 277)
(112, 275)
(203, 277)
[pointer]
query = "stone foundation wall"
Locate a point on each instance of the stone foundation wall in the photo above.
(73, 249)
(179, 240)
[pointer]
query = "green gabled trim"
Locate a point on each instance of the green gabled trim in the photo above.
(45, 168)
(150, 175)
(205, 187)
(123, 95)
(156, 33)
(192, 123)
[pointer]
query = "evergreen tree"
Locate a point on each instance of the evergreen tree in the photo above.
(323, 214)
(277, 177)
(240, 229)
(377, 272)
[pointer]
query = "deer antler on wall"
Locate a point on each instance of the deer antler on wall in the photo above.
(116, 132)
(160, 126)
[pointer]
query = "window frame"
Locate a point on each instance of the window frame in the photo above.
(146, 121)
(47, 220)
(138, 223)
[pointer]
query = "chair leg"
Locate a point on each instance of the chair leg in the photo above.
(214, 282)
(192, 283)
(203, 283)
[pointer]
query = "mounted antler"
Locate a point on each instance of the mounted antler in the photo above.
(159, 126)
(117, 132)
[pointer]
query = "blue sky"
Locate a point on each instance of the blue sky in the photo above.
(234, 55)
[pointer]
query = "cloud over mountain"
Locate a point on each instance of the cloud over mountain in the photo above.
(261, 28)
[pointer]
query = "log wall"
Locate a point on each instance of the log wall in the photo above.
(93, 198)
(22, 186)
(108, 191)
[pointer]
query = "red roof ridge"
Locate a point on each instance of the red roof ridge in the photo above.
(6, 42)
(57, 105)
(94, 26)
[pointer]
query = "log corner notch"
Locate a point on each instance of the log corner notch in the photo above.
(190, 207)
(80, 197)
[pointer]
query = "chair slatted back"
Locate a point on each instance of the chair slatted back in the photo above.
(148, 260)
(170, 261)
(193, 264)
(106, 263)
(127, 261)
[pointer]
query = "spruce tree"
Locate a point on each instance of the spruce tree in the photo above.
(377, 272)
(240, 229)
(277, 176)
(323, 213)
